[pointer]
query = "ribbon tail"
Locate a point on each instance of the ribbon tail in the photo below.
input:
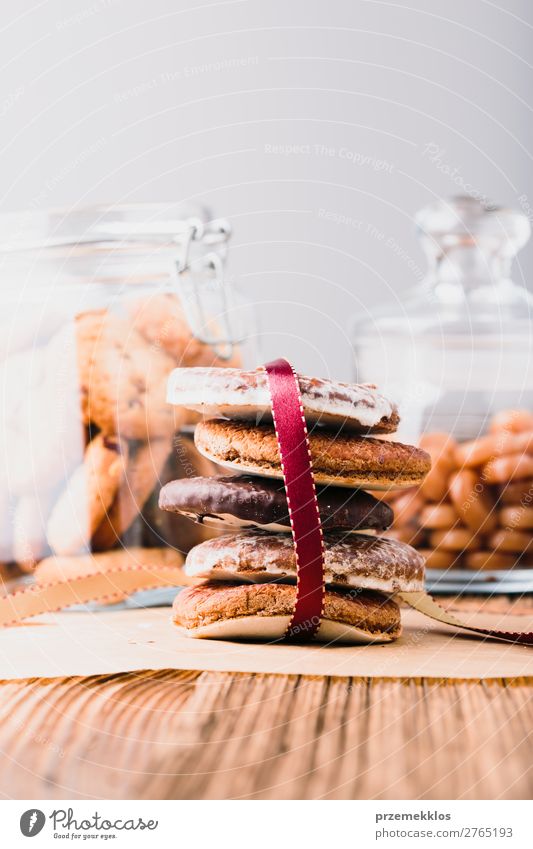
(427, 605)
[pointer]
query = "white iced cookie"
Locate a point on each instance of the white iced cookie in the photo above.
(236, 394)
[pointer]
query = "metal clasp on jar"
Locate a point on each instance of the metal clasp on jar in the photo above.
(207, 296)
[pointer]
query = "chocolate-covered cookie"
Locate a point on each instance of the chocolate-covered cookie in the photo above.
(242, 501)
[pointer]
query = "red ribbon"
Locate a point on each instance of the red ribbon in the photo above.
(293, 443)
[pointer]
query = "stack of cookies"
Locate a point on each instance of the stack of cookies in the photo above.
(248, 577)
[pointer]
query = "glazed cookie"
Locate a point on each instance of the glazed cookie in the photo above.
(236, 394)
(242, 501)
(143, 471)
(341, 459)
(263, 612)
(122, 379)
(354, 560)
(87, 496)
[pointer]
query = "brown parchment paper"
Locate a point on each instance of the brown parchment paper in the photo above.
(75, 643)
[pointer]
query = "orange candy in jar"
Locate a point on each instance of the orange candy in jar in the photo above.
(475, 508)
(455, 351)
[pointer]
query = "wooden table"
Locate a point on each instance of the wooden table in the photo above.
(210, 735)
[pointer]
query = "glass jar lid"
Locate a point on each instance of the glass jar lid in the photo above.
(177, 246)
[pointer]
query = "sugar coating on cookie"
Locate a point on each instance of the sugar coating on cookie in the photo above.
(353, 560)
(238, 394)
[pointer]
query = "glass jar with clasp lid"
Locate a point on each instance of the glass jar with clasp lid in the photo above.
(456, 353)
(98, 306)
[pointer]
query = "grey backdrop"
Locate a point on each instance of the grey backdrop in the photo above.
(319, 128)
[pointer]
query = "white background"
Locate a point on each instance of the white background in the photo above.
(121, 100)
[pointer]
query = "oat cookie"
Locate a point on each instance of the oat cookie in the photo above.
(340, 459)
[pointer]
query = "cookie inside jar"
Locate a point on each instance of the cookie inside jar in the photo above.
(474, 511)
(87, 435)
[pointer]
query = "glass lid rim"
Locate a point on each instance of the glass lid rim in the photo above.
(28, 230)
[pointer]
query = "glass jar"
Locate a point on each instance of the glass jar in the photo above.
(456, 353)
(98, 306)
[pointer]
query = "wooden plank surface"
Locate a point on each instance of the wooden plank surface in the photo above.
(175, 734)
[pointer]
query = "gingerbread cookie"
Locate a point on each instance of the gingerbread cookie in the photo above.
(340, 459)
(263, 611)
